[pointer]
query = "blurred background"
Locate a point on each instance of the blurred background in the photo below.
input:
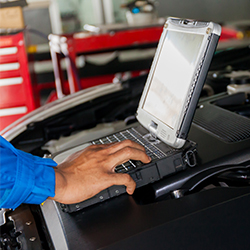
(52, 48)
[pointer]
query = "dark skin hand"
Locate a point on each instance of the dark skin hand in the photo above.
(91, 170)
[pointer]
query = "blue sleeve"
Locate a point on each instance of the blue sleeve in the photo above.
(24, 178)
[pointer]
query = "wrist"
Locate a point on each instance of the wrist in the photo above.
(60, 184)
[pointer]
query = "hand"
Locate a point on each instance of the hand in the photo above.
(91, 170)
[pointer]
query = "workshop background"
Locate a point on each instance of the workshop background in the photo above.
(52, 48)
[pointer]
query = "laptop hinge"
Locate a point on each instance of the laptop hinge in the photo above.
(153, 134)
(152, 129)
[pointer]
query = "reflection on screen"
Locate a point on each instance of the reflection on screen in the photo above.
(171, 79)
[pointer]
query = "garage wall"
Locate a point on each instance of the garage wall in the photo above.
(216, 10)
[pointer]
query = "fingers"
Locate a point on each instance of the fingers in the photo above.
(127, 151)
(123, 179)
(115, 146)
(111, 155)
(126, 143)
(91, 170)
(127, 154)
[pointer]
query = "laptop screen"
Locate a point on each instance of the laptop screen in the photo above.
(172, 76)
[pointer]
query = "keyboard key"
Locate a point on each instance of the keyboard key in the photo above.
(105, 140)
(97, 142)
(120, 169)
(129, 167)
(154, 157)
(137, 163)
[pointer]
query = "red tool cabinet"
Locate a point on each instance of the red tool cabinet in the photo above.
(17, 96)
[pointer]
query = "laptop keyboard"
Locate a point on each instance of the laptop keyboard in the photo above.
(132, 135)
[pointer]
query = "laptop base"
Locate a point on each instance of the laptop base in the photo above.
(177, 160)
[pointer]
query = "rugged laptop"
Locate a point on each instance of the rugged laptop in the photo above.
(166, 108)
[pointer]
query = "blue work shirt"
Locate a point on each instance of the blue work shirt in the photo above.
(24, 178)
